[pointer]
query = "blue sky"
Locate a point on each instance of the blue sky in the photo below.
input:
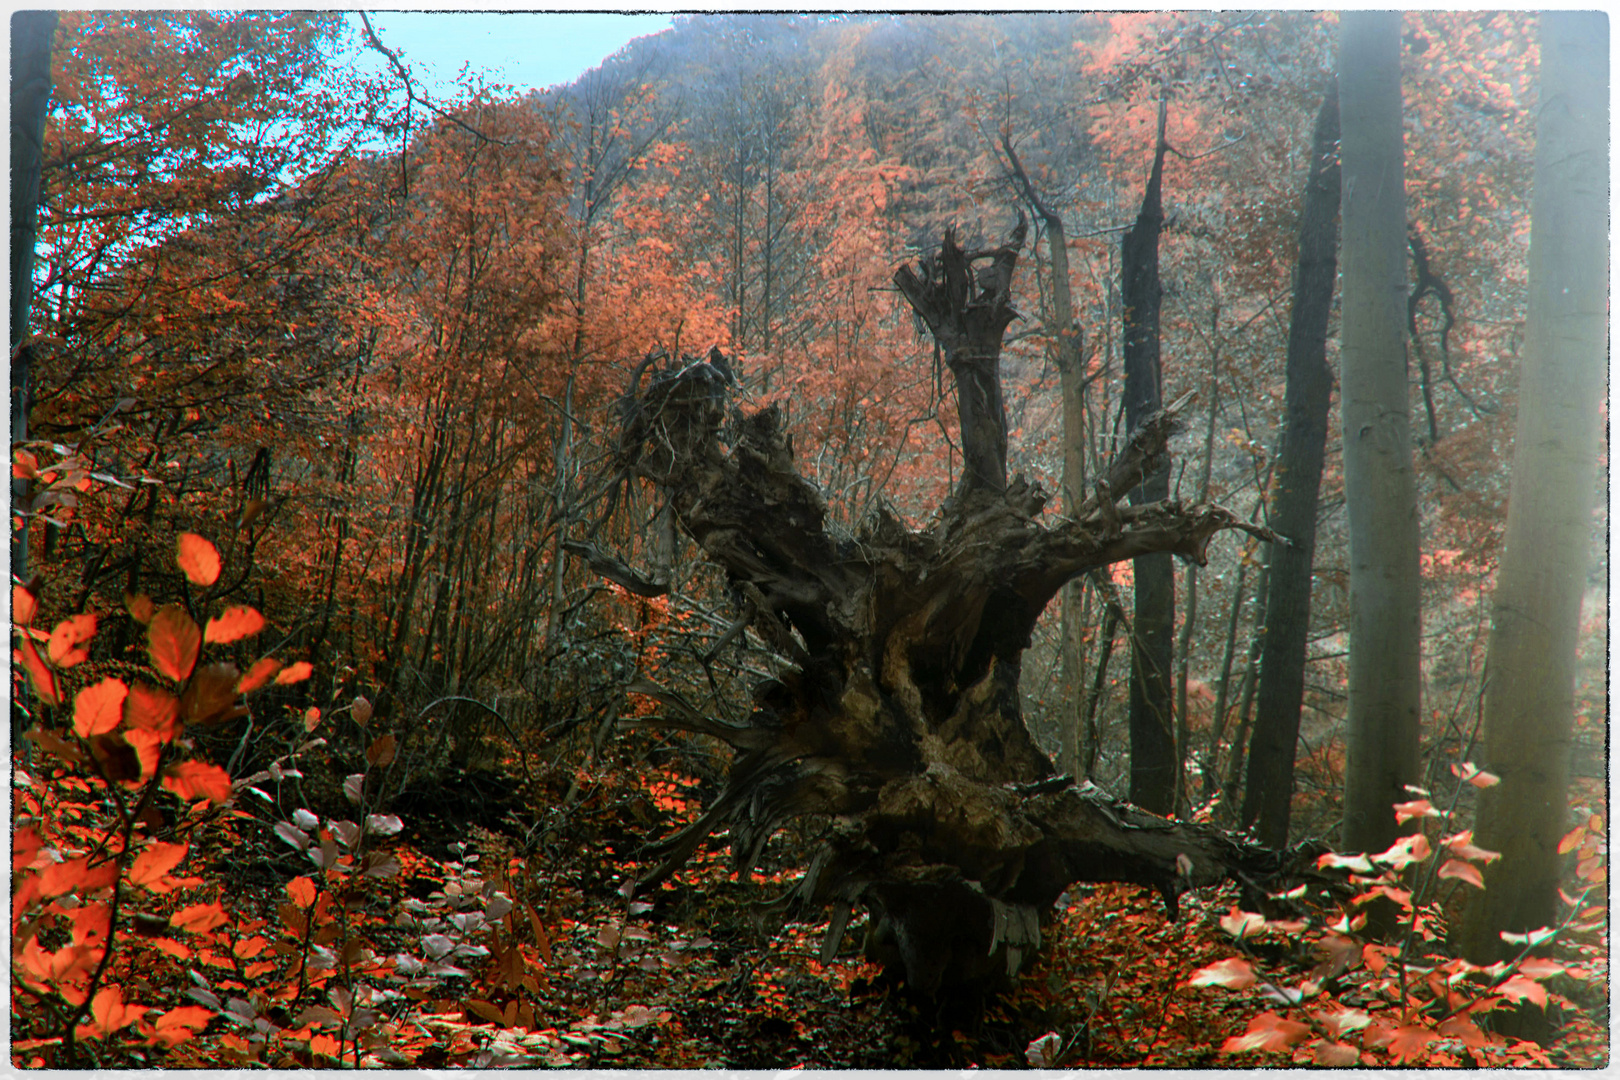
(526, 50)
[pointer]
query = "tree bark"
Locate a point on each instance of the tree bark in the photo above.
(1152, 727)
(1270, 786)
(1536, 613)
(897, 721)
(31, 35)
(1379, 483)
(1069, 357)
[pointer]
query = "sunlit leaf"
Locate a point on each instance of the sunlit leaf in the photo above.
(196, 779)
(1462, 871)
(1409, 1041)
(1241, 924)
(1268, 1031)
(1572, 840)
(108, 1014)
(1520, 988)
(66, 646)
(1233, 973)
(1462, 845)
(199, 918)
(23, 606)
(1335, 1055)
(233, 624)
(99, 707)
(1418, 808)
(197, 558)
(157, 860)
(41, 677)
(180, 1023)
(258, 675)
(293, 673)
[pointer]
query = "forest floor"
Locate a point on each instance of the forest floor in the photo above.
(506, 940)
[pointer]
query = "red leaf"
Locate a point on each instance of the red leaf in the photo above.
(1406, 811)
(195, 779)
(258, 674)
(151, 710)
(233, 624)
(179, 1024)
(172, 640)
(1409, 1041)
(98, 708)
(108, 1013)
(140, 607)
(1572, 840)
(1241, 924)
(1462, 845)
(1462, 871)
(293, 673)
(1232, 973)
(66, 645)
(1336, 1055)
(1541, 967)
(150, 865)
(302, 891)
(199, 918)
(197, 558)
(43, 678)
(1520, 988)
(1268, 1031)
(76, 875)
(23, 606)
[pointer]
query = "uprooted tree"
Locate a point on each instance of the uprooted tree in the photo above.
(898, 719)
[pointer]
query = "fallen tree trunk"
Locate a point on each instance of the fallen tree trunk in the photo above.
(898, 721)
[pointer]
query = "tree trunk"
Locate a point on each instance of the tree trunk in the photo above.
(897, 721)
(1536, 616)
(1153, 737)
(1069, 356)
(31, 34)
(1270, 786)
(1379, 484)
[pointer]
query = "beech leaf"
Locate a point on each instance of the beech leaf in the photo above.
(197, 558)
(65, 647)
(98, 708)
(196, 779)
(172, 641)
(1233, 973)
(1462, 871)
(233, 624)
(158, 859)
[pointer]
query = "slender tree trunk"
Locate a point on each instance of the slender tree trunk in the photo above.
(31, 34)
(1217, 731)
(1536, 613)
(1379, 484)
(1153, 738)
(1270, 787)
(1069, 356)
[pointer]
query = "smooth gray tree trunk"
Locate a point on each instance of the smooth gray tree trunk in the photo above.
(1535, 622)
(1379, 483)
